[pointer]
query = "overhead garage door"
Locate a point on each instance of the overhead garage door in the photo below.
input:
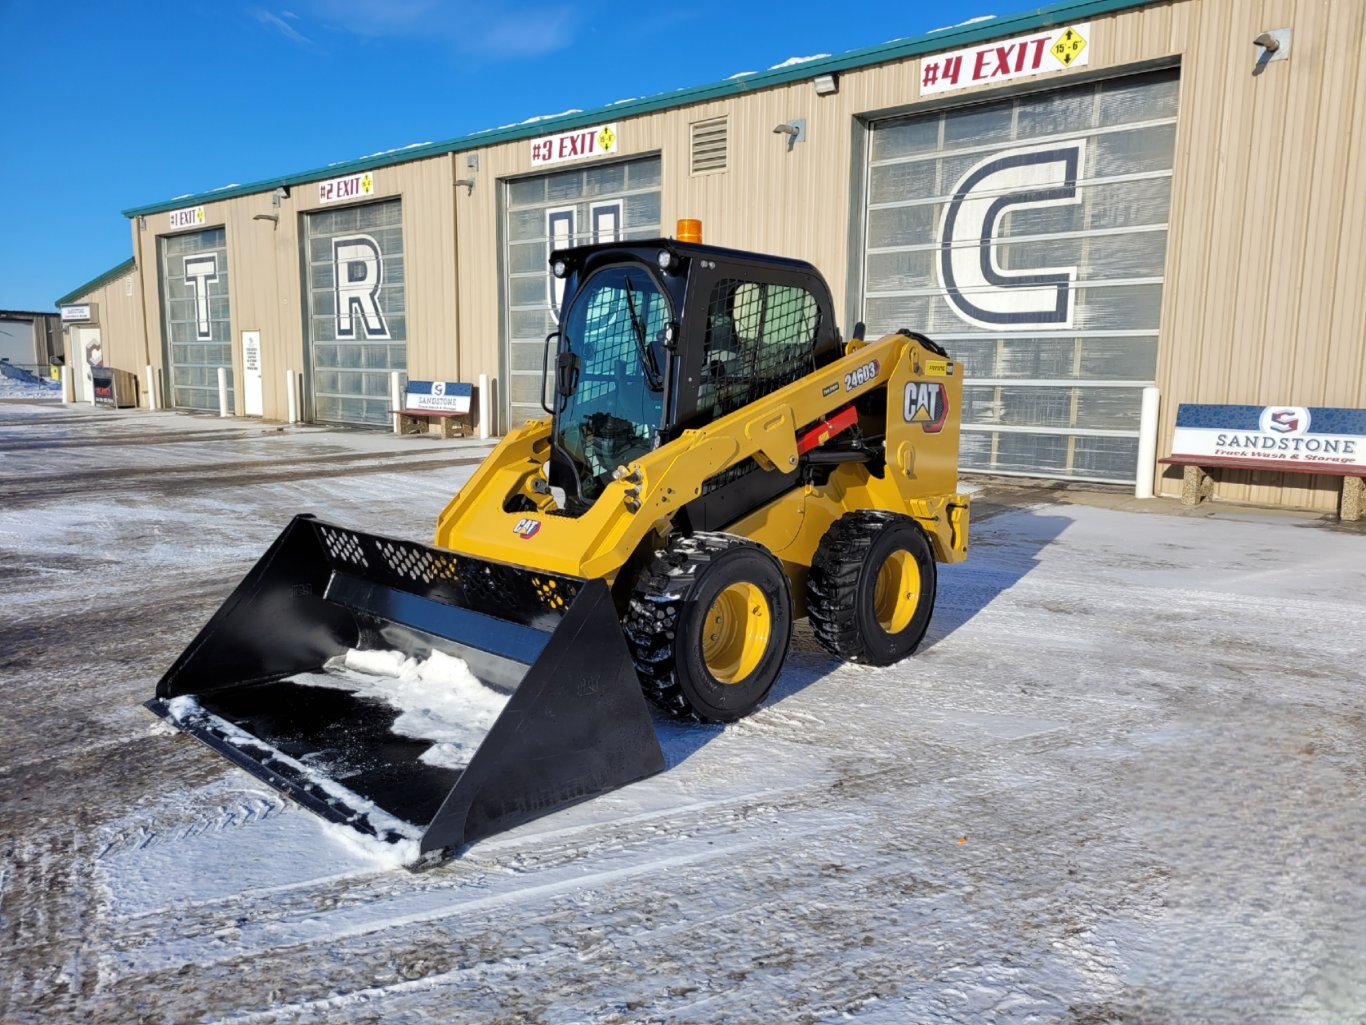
(357, 316)
(601, 203)
(197, 329)
(1029, 235)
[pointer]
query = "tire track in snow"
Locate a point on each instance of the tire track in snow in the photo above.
(249, 807)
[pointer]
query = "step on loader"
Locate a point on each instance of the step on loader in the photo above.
(715, 463)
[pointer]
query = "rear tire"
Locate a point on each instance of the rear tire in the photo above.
(709, 626)
(870, 593)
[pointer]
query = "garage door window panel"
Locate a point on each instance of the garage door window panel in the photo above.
(1101, 239)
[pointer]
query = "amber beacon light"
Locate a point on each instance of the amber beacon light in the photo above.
(689, 230)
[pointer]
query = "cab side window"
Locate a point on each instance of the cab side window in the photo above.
(760, 337)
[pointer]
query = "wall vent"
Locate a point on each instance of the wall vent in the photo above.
(708, 144)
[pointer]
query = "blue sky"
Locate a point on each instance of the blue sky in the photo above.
(114, 105)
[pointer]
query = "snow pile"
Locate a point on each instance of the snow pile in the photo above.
(960, 24)
(12, 389)
(438, 698)
(798, 60)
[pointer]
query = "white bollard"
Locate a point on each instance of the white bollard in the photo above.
(222, 391)
(291, 397)
(483, 405)
(151, 387)
(396, 399)
(68, 397)
(1147, 443)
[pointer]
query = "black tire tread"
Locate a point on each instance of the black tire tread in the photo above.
(653, 611)
(832, 584)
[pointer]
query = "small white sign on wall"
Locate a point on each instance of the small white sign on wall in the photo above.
(598, 141)
(352, 187)
(1056, 49)
(189, 217)
(252, 402)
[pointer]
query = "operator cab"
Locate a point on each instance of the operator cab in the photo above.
(659, 336)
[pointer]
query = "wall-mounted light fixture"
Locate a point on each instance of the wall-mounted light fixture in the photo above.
(826, 85)
(142, 223)
(1271, 46)
(281, 193)
(467, 183)
(273, 218)
(794, 129)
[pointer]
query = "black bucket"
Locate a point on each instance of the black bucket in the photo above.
(575, 724)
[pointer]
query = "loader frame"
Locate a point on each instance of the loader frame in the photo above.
(884, 380)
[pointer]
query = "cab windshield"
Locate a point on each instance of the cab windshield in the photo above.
(613, 332)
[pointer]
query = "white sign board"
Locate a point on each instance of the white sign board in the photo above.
(1279, 437)
(1039, 53)
(438, 396)
(190, 217)
(78, 313)
(579, 144)
(252, 403)
(352, 187)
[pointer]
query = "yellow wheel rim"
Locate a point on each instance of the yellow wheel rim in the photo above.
(735, 633)
(897, 592)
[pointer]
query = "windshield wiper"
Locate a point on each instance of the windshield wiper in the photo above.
(647, 358)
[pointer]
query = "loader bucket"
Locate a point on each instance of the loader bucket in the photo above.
(264, 683)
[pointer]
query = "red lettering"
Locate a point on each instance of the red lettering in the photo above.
(1002, 60)
(979, 65)
(1039, 45)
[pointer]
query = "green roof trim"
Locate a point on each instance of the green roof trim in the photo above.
(883, 53)
(112, 274)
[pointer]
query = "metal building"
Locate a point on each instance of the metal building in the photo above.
(102, 324)
(1078, 202)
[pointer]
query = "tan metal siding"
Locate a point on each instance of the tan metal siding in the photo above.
(121, 327)
(265, 284)
(1265, 276)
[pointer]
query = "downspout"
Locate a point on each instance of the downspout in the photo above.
(140, 267)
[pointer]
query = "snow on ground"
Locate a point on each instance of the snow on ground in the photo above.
(13, 389)
(1121, 782)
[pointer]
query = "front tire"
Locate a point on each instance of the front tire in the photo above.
(870, 593)
(709, 626)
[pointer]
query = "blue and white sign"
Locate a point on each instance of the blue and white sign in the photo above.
(1289, 437)
(438, 396)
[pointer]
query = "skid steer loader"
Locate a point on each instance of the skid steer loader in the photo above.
(715, 462)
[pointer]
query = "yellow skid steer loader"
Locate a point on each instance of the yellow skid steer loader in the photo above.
(715, 462)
